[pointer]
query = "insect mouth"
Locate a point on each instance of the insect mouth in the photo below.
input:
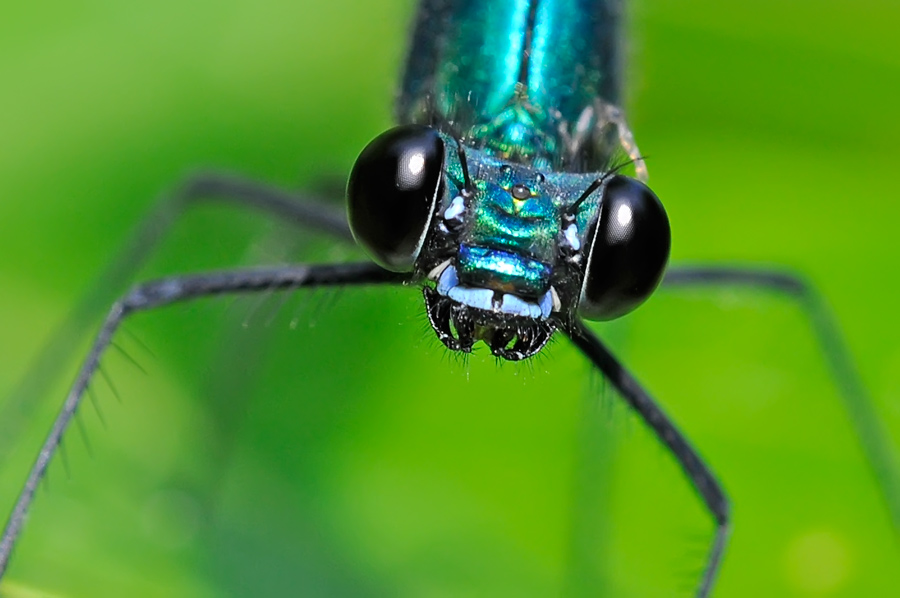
(460, 326)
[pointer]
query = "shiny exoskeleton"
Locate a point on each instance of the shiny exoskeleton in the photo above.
(502, 190)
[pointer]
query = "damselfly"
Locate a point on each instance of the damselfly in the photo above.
(524, 339)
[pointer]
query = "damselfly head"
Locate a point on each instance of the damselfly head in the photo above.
(507, 253)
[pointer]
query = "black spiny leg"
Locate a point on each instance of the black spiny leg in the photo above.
(302, 209)
(159, 293)
(697, 471)
(857, 401)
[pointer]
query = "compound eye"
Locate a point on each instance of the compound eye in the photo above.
(629, 252)
(392, 192)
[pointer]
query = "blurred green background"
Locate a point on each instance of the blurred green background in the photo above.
(353, 456)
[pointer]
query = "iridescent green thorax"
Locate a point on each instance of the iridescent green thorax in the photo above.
(509, 76)
(522, 132)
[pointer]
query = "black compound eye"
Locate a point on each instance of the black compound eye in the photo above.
(629, 252)
(392, 193)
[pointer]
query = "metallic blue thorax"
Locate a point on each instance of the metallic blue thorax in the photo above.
(507, 76)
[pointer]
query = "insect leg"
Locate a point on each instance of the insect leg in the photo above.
(298, 208)
(610, 115)
(592, 128)
(697, 471)
(159, 293)
(857, 401)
